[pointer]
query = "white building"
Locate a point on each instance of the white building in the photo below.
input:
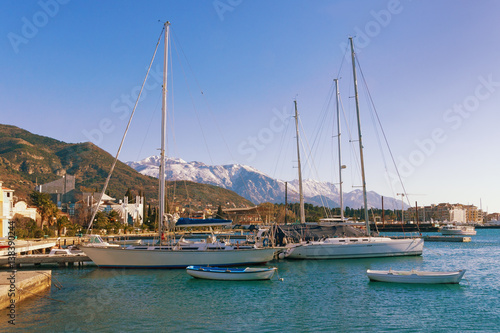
(458, 214)
(129, 212)
(6, 206)
(21, 208)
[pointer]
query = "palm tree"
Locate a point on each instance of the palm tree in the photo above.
(62, 222)
(45, 207)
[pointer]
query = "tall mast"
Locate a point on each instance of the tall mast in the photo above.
(340, 152)
(301, 194)
(286, 201)
(163, 132)
(359, 135)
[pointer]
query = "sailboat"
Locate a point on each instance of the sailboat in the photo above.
(174, 254)
(355, 247)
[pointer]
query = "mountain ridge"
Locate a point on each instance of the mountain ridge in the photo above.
(256, 186)
(28, 159)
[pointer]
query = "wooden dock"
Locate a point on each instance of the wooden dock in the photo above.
(459, 239)
(16, 286)
(60, 260)
(28, 247)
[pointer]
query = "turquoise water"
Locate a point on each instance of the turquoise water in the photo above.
(314, 296)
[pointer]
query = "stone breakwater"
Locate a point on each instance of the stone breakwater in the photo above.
(16, 286)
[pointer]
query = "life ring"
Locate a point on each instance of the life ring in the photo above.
(265, 242)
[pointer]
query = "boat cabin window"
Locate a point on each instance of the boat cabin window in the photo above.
(95, 239)
(341, 240)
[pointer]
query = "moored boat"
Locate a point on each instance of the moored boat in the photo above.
(414, 276)
(171, 253)
(356, 247)
(231, 274)
(351, 247)
(451, 229)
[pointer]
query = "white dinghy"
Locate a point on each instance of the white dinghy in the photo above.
(414, 276)
(231, 274)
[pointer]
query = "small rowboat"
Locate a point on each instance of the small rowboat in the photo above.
(414, 276)
(231, 274)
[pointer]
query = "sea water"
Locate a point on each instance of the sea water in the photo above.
(314, 296)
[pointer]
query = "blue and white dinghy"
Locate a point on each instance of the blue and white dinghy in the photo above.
(231, 274)
(414, 276)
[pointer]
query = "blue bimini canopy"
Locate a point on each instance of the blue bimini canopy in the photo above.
(185, 222)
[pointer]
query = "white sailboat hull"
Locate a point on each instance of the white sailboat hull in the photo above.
(415, 276)
(111, 257)
(362, 247)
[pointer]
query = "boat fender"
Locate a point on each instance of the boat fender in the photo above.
(265, 242)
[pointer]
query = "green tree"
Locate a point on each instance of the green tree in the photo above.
(62, 222)
(45, 207)
(220, 213)
(129, 195)
(25, 227)
(114, 221)
(101, 221)
(151, 221)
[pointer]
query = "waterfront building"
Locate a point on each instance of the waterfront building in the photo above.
(493, 217)
(447, 212)
(458, 213)
(6, 206)
(474, 215)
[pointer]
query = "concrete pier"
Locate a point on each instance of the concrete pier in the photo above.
(460, 239)
(46, 259)
(19, 285)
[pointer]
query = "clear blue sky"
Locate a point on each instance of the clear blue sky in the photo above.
(432, 68)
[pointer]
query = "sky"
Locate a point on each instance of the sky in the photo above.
(71, 70)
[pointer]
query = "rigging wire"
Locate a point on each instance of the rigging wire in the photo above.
(209, 110)
(311, 163)
(354, 156)
(377, 134)
(171, 123)
(193, 103)
(314, 149)
(124, 134)
(280, 147)
(385, 139)
(155, 109)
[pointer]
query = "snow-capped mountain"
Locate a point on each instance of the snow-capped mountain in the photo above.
(254, 185)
